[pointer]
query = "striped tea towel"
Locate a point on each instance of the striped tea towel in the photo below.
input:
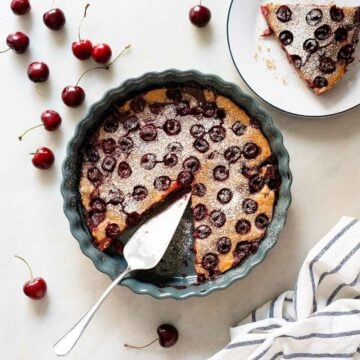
(320, 319)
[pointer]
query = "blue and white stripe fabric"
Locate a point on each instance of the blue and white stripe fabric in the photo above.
(320, 319)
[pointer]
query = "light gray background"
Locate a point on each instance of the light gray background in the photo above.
(325, 163)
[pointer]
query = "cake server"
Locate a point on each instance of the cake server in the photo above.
(142, 252)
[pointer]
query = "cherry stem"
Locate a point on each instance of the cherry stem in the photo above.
(4, 51)
(82, 20)
(140, 347)
(27, 264)
(105, 67)
(25, 132)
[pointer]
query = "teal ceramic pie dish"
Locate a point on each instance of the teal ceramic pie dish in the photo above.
(175, 275)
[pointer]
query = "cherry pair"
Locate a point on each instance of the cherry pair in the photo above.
(54, 19)
(84, 49)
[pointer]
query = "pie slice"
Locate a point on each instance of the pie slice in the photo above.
(183, 138)
(319, 40)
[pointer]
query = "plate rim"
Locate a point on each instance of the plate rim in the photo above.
(70, 192)
(266, 101)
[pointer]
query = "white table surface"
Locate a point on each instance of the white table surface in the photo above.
(325, 163)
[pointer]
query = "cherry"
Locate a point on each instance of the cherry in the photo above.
(43, 158)
(167, 337)
(36, 287)
(199, 15)
(54, 19)
(20, 7)
(74, 96)
(38, 72)
(82, 48)
(18, 41)
(51, 120)
(101, 53)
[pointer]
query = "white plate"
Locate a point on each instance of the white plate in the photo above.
(263, 65)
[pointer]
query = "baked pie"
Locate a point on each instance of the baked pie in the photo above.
(319, 40)
(173, 139)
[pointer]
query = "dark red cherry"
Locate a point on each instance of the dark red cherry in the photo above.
(108, 145)
(98, 205)
(51, 120)
(139, 193)
(202, 232)
(284, 13)
(199, 15)
(162, 183)
(170, 160)
(94, 174)
(262, 221)
(201, 145)
(131, 123)
(208, 109)
(185, 178)
(148, 161)
(210, 261)
(223, 245)
(244, 249)
(183, 109)
(156, 108)
(232, 154)
(126, 144)
(327, 65)
(43, 158)
(243, 227)
(36, 287)
(168, 335)
(341, 34)
(18, 41)
(112, 230)
(314, 17)
(101, 53)
(286, 37)
(199, 190)
(249, 206)
(311, 45)
(217, 218)
(148, 132)
(224, 196)
(172, 127)
(191, 164)
(336, 14)
(256, 183)
(132, 218)
(138, 104)
(238, 128)
(220, 173)
(251, 150)
(175, 147)
(111, 124)
(345, 53)
(20, 7)
(91, 153)
(82, 49)
(124, 170)
(108, 164)
(73, 96)
(323, 32)
(197, 130)
(320, 82)
(217, 133)
(296, 60)
(199, 212)
(54, 19)
(38, 72)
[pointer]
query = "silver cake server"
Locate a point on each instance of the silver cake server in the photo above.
(142, 252)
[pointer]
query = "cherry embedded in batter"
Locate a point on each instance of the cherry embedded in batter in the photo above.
(124, 170)
(148, 161)
(199, 190)
(232, 154)
(249, 206)
(172, 127)
(323, 32)
(208, 109)
(238, 128)
(224, 196)
(217, 218)
(320, 82)
(314, 17)
(251, 150)
(112, 230)
(217, 133)
(156, 108)
(201, 145)
(94, 174)
(98, 205)
(202, 232)
(341, 34)
(296, 60)
(191, 164)
(327, 65)
(139, 193)
(108, 164)
(199, 212)
(286, 37)
(284, 14)
(170, 160)
(126, 145)
(148, 132)
(243, 227)
(131, 123)
(311, 46)
(111, 124)
(162, 183)
(223, 245)
(115, 197)
(220, 173)
(183, 109)
(210, 261)
(336, 14)
(137, 105)
(262, 221)
(175, 147)
(91, 153)
(132, 218)
(108, 145)
(185, 178)
(345, 53)
(256, 183)
(197, 130)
